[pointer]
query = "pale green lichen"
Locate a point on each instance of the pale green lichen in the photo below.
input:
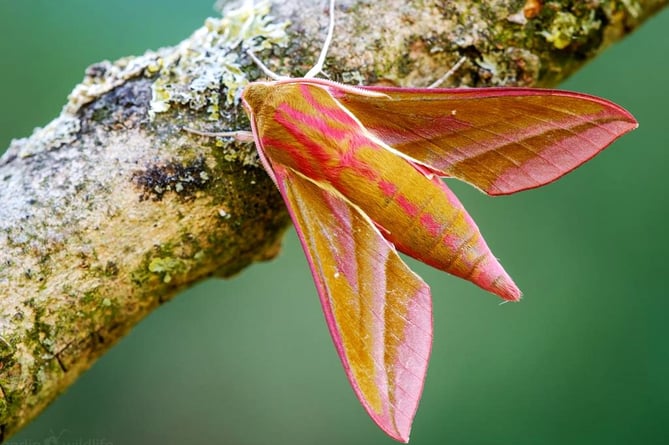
(633, 7)
(562, 29)
(245, 154)
(212, 58)
(590, 24)
(166, 267)
(566, 27)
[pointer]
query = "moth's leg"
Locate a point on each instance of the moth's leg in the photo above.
(449, 73)
(240, 135)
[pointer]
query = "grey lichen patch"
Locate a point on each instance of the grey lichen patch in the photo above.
(240, 152)
(105, 76)
(126, 105)
(61, 131)
(172, 177)
(205, 71)
(226, 149)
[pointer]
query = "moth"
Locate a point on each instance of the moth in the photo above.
(360, 170)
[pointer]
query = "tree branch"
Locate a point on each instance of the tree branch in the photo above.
(111, 208)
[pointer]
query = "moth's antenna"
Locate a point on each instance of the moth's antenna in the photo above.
(268, 72)
(449, 73)
(328, 39)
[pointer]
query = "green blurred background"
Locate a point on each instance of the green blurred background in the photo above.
(582, 360)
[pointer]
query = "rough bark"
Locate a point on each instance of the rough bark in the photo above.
(111, 209)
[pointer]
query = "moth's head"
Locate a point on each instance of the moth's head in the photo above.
(258, 94)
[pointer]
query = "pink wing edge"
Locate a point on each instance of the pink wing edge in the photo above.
(398, 426)
(389, 426)
(627, 124)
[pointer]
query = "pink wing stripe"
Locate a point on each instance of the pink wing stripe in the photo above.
(322, 217)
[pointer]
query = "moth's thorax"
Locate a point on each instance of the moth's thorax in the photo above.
(265, 97)
(300, 124)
